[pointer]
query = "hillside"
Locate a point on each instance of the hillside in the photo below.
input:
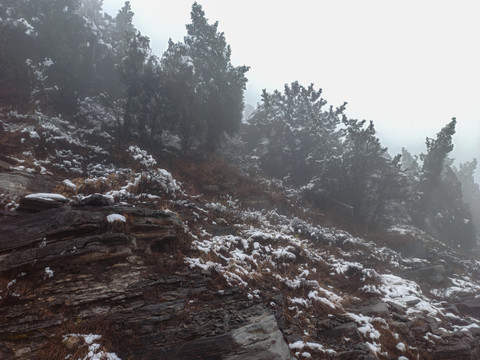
(115, 251)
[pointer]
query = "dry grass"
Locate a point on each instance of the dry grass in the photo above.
(196, 175)
(389, 343)
(58, 346)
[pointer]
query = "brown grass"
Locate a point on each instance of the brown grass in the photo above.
(56, 348)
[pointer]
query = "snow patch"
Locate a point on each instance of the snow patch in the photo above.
(116, 217)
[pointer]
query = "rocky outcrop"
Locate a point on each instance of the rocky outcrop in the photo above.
(20, 182)
(73, 269)
(260, 339)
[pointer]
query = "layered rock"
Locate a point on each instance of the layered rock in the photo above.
(73, 267)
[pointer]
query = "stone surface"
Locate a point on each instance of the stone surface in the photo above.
(433, 275)
(259, 339)
(20, 183)
(96, 200)
(348, 329)
(147, 305)
(36, 204)
(378, 309)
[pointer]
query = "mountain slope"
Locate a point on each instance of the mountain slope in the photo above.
(169, 258)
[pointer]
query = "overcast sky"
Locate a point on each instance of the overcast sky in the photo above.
(410, 65)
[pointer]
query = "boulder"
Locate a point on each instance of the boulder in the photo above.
(428, 275)
(41, 201)
(20, 183)
(259, 339)
(377, 309)
(345, 330)
(96, 200)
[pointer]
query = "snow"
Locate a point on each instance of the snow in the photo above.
(47, 196)
(94, 349)
(142, 157)
(401, 346)
(48, 273)
(300, 345)
(366, 329)
(69, 184)
(116, 217)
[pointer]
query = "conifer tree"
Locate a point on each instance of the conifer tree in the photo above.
(133, 51)
(218, 84)
(183, 107)
(295, 135)
(440, 209)
(368, 177)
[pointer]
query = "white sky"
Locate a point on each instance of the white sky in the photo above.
(410, 65)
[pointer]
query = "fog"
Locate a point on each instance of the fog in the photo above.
(409, 66)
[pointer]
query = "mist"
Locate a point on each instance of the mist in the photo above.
(410, 67)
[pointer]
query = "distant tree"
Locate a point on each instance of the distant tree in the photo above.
(470, 189)
(183, 106)
(62, 37)
(133, 52)
(219, 85)
(369, 178)
(410, 165)
(100, 53)
(152, 117)
(66, 34)
(440, 208)
(18, 37)
(433, 164)
(294, 134)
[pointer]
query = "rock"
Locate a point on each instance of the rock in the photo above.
(260, 339)
(428, 275)
(471, 307)
(41, 201)
(101, 275)
(460, 351)
(20, 183)
(378, 309)
(346, 330)
(5, 161)
(412, 301)
(396, 308)
(96, 200)
(70, 232)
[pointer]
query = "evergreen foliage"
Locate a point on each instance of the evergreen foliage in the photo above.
(295, 135)
(440, 208)
(202, 65)
(470, 189)
(368, 177)
(71, 50)
(67, 56)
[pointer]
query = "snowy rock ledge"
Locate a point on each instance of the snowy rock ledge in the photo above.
(41, 201)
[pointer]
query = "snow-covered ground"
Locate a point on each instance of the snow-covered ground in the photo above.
(321, 272)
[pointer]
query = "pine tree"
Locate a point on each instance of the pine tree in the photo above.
(368, 177)
(433, 163)
(183, 106)
(470, 190)
(18, 37)
(440, 208)
(295, 136)
(133, 52)
(218, 84)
